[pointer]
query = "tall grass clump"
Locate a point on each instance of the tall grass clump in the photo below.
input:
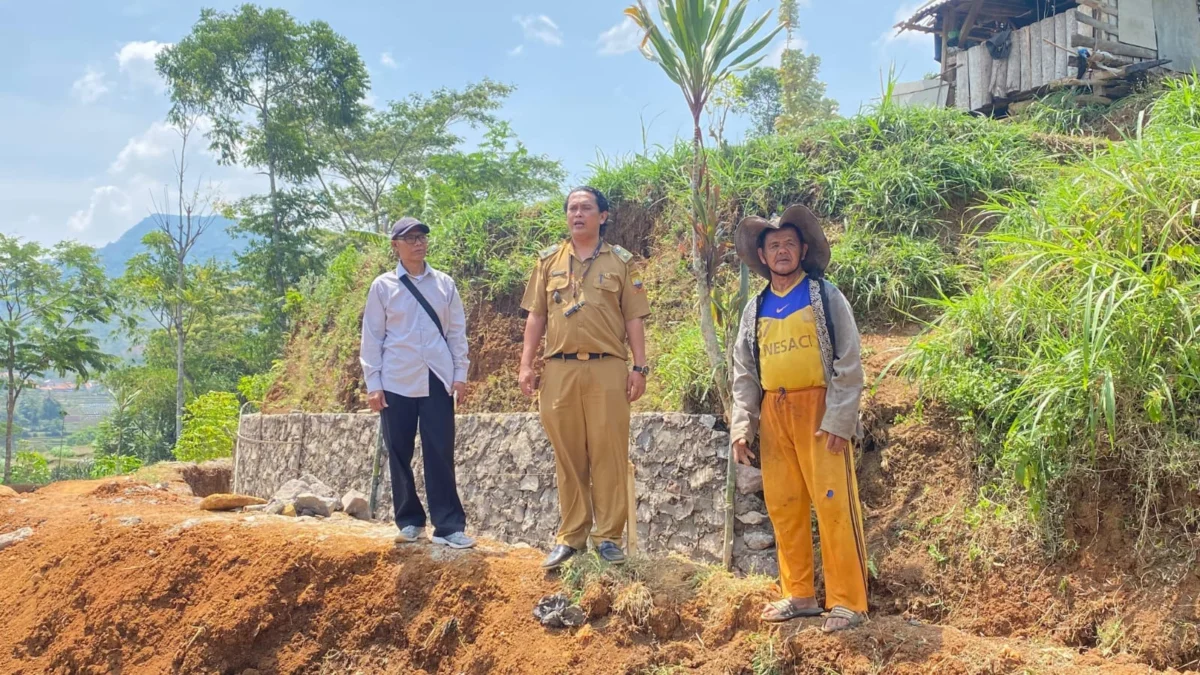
(899, 169)
(1082, 359)
(886, 277)
(490, 247)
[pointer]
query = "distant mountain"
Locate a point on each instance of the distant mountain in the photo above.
(216, 243)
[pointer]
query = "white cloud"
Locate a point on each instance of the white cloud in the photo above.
(136, 60)
(620, 39)
(387, 60)
(90, 86)
(110, 196)
(540, 27)
(516, 51)
(155, 142)
(774, 55)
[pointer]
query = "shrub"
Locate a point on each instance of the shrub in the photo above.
(209, 427)
(886, 277)
(30, 467)
(115, 465)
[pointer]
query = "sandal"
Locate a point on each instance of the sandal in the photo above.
(853, 619)
(785, 610)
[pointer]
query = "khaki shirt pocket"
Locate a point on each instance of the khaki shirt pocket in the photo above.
(608, 282)
(553, 284)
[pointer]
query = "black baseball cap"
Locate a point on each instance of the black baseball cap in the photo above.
(406, 224)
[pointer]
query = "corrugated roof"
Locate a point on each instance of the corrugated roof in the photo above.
(927, 9)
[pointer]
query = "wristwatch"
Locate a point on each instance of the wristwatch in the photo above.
(644, 370)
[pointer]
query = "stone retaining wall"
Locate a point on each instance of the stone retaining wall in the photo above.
(506, 477)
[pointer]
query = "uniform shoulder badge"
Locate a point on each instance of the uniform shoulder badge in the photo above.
(621, 253)
(548, 251)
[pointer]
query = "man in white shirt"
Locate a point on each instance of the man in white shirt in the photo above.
(414, 359)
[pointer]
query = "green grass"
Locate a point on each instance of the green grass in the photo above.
(1084, 353)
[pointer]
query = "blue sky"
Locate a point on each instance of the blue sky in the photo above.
(83, 145)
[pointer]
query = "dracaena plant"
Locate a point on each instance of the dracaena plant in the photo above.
(701, 43)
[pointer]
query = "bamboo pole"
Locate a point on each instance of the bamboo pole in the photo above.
(631, 533)
(731, 464)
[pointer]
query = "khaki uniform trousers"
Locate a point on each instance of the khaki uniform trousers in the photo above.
(800, 473)
(585, 412)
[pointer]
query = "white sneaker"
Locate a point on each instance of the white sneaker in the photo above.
(455, 540)
(409, 534)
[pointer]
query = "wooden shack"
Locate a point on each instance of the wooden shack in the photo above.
(996, 52)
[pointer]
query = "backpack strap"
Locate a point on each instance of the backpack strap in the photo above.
(412, 288)
(758, 305)
(821, 289)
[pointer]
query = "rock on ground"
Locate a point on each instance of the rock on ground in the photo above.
(228, 502)
(317, 487)
(355, 503)
(312, 504)
(288, 492)
(15, 536)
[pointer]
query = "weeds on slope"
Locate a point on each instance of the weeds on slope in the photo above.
(1085, 351)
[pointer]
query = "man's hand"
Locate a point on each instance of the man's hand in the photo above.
(635, 386)
(741, 452)
(836, 444)
(460, 390)
(376, 400)
(527, 380)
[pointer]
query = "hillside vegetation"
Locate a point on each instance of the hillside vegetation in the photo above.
(1055, 278)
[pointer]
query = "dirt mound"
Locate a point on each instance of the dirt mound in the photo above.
(111, 581)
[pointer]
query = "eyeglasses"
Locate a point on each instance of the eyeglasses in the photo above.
(413, 239)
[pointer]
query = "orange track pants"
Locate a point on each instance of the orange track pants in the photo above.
(800, 473)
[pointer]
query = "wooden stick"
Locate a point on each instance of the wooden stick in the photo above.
(631, 534)
(1112, 11)
(1118, 48)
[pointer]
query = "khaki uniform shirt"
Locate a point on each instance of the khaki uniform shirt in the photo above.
(610, 289)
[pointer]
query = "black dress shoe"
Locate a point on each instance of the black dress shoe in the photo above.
(558, 555)
(610, 553)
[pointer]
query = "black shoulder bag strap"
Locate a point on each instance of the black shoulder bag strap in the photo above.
(412, 288)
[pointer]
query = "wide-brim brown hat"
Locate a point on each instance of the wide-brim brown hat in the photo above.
(745, 238)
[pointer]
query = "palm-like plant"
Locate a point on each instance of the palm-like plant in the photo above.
(700, 44)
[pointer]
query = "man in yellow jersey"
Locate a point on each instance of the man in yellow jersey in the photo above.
(587, 300)
(797, 372)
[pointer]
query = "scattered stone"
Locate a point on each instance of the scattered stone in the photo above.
(749, 479)
(129, 521)
(332, 504)
(252, 508)
(14, 537)
(311, 504)
(288, 510)
(152, 553)
(316, 487)
(556, 612)
(585, 636)
(709, 421)
(290, 490)
(529, 484)
(185, 525)
(6, 491)
(752, 518)
(356, 504)
(229, 502)
(274, 508)
(759, 541)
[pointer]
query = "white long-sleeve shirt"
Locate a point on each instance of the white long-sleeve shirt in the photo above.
(401, 344)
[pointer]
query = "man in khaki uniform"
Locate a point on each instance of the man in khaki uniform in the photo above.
(585, 297)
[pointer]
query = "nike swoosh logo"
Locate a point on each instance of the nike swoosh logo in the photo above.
(780, 310)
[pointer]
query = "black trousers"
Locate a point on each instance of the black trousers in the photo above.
(434, 415)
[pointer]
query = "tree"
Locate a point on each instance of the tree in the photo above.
(369, 158)
(268, 83)
(47, 297)
(454, 180)
(802, 94)
(702, 45)
(760, 96)
(162, 280)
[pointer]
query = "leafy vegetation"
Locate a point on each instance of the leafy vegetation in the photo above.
(1084, 353)
(209, 427)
